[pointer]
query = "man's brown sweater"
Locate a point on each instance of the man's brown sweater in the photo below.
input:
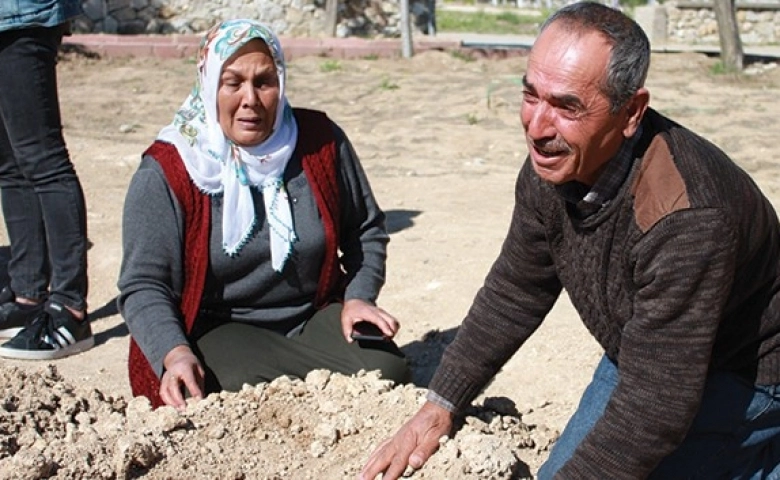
(677, 276)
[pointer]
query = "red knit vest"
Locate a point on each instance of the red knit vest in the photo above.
(317, 148)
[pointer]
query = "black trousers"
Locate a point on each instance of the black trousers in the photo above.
(235, 354)
(43, 203)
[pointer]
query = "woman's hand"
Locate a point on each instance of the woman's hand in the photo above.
(355, 311)
(182, 368)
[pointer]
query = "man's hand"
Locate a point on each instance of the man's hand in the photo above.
(181, 368)
(412, 445)
(355, 311)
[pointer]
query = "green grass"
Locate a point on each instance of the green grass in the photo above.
(631, 4)
(484, 22)
(387, 84)
(462, 56)
(719, 68)
(330, 66)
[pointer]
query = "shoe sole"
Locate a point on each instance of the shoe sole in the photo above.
(78, 347)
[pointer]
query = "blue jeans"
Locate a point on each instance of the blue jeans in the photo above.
(735, 435)
(42, 200)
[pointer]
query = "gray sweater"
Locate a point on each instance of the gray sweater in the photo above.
(244, 287)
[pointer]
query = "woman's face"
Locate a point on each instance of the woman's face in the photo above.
(248, 95)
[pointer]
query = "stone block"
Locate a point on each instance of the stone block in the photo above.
(95, 10)
(653, 20)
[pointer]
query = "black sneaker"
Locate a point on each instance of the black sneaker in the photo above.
(15, 316)
(55, 333)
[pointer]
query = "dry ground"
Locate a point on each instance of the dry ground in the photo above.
(440, 139)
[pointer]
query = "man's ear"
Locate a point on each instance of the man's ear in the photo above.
(635, 110)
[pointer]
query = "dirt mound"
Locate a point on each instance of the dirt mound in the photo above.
(323, 427)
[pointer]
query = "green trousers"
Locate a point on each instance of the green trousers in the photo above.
(235, 354)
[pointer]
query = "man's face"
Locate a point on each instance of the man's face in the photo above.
(570, 131)
(248, 95)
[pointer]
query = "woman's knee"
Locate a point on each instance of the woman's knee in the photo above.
(388, 359)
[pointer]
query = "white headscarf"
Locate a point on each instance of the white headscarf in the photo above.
(217, 165)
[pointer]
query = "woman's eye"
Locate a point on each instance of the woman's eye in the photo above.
(266, 82)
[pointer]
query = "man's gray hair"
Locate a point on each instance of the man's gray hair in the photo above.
(630, 59)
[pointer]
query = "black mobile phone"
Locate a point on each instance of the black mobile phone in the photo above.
(367, 331)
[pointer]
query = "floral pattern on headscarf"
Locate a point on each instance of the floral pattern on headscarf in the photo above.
(217, 165)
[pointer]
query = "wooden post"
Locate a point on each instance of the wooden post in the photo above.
(331, 16)
(406, 31)
(731, 54)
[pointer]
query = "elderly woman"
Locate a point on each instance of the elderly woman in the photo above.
(252, 241)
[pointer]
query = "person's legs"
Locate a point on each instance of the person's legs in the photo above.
(29, 105)
(235, 354)
(28, 264)
(323, 334)
(591, 408)
(64, 213)
(735, 435)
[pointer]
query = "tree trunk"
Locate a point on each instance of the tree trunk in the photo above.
(731, 54)
(406, 30)
(331, 16)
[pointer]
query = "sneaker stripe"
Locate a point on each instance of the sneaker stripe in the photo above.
(54, 342)
(61, 339)
(67, 337)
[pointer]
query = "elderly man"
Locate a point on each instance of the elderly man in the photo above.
(668, 251)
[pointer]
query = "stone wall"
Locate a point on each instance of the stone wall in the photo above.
(301, 18)
(694, 22)
(689, 22)
(673, 21)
